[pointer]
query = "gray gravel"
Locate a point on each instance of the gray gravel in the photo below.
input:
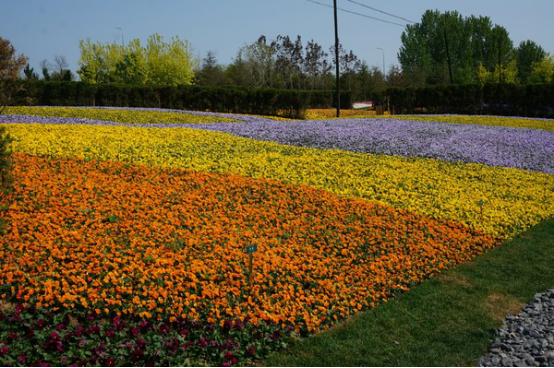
(525, 340)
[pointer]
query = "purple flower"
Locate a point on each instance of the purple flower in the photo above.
(60, 327)
(142, 342)
(83, 342)
(184, 332)
(4, 350)
(40, 324)
(251, 350)
(110, 333)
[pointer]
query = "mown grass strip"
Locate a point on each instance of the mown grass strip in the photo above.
(446, 321)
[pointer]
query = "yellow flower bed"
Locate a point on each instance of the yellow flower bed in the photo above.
(118, 115)
(513, 200)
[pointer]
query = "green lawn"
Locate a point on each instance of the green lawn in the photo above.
(446, 321)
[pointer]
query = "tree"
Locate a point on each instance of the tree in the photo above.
(161, 63)
(45, 67)
(30, 73)
(257, 62)
(447, 44)
(543, 71)
(313, 62)
(62, 73)
(211, 73)
(10, 69)
(528, 53)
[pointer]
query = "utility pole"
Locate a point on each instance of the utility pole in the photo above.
(337, 57)
(383, 50)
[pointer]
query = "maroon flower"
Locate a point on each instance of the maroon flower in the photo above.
(109, 362)
(79, 330)
(4, 350)
(187, 344)
(137, 354)
(41, 324)
(226, 364)
(60, 327)
(251, 350)
(227, 325)
(94, 329)
(22, 359)
(135, 331)
(145, 325)
(229, 355)
(117, 323)
(12, 336)
(163, 329)
(29, 333)
(184, 332)
(110, 333)
(203, 342)
(142, 342)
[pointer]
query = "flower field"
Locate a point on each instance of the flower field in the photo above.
(134, 231)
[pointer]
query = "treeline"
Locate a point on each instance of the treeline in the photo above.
(288, 63)
(447, 48)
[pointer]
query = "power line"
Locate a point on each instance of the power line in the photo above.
(381, 11)
(361, 15)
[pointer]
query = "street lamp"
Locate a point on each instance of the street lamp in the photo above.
(122, 41)
(383, 50)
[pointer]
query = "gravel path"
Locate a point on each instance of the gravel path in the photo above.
(525, 340)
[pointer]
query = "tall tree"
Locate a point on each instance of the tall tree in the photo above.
(159, 62)
(211, 73)
(527, 53)
(445, 44)
(10, 70)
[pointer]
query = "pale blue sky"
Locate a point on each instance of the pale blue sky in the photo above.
(43, 28)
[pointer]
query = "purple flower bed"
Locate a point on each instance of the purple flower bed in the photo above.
(521, 148)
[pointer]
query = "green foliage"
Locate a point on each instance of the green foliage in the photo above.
(543, 71)
(528, 53)
(490, 98)
(10, 68)
(277, 102)
(469, 42)
(157, 63)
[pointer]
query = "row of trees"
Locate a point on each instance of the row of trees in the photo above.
(449, 48)
(286, 63)
(158, 62)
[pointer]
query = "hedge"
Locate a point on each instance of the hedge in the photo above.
(534, 100)
(288, 103)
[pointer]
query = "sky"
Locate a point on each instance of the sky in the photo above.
(41, 29)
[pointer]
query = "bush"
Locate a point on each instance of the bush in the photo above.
(287, 103)
(536, 100)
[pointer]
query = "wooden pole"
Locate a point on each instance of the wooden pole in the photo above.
(337, 58)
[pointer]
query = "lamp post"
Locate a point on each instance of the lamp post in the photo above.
(122, 41)
(383, 50)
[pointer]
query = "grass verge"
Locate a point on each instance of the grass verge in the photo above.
(446, 321)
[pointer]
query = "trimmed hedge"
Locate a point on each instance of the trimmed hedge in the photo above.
(534, 100)
(278, 102)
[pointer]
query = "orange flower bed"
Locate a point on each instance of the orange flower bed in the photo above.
(166, 243)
